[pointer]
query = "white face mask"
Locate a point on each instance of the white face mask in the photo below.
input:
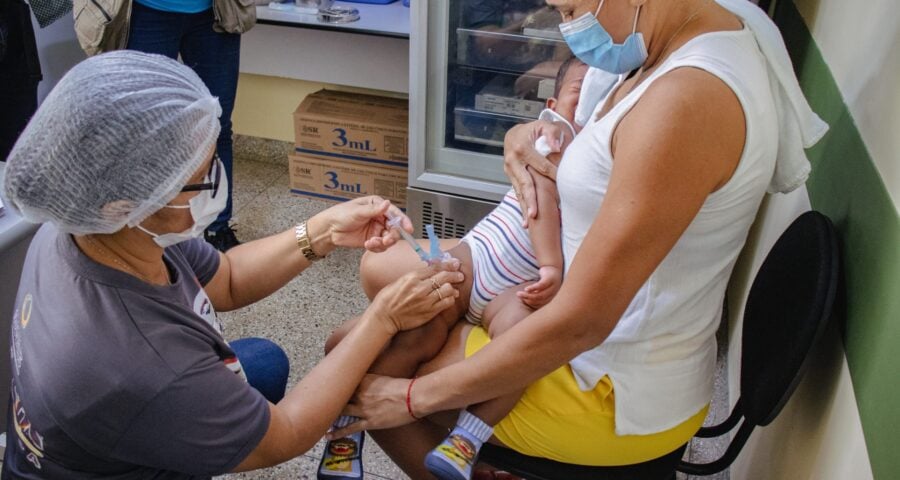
(205, 207)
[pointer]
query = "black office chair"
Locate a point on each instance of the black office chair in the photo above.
(788, 307)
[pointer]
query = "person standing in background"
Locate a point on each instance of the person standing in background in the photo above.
(185, 27)
(20, 72)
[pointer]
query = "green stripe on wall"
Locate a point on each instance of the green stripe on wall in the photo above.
(846, 186)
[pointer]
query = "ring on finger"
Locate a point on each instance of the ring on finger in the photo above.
(434, 285)
(440, 295)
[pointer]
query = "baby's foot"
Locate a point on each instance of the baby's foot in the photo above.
(342, 459)
(454, 457)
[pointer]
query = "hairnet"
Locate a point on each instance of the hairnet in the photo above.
(115, 141)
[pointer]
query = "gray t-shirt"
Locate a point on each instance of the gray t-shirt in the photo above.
(114, 378)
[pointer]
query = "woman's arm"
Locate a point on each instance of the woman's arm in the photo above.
(306, 412)
(254, 270)
(680, 143)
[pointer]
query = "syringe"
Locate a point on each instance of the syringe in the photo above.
(394, 222)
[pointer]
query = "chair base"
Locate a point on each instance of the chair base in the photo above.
(535, 468)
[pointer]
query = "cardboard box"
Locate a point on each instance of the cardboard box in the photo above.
(356, 127)
(326, 178)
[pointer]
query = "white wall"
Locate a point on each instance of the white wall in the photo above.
(818, 435)
(860, 42)
(278, 71)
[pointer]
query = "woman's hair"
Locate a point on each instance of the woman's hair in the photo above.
(563, 70)
(114, 142)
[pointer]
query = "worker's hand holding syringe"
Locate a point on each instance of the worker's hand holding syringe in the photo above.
(434, 253)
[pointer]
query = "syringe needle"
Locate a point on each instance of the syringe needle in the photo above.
(394, 222)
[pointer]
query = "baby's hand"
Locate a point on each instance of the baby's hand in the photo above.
(541, 292)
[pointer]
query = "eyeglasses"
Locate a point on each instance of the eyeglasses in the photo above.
(213, 178)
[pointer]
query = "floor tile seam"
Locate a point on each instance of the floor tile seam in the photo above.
(264, 188)
(279, 160)
(237, 209)
(260, 162)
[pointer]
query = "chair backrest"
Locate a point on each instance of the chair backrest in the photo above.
(787, 310)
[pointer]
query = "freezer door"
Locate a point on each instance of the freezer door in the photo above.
(488, 65)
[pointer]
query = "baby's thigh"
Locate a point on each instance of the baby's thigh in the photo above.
(378, 270)
(504, 311)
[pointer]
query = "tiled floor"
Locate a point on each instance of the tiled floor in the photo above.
(302, 314)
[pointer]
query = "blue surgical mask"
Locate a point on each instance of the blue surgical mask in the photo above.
(591, 43)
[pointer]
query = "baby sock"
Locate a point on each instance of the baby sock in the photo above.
(342, 458)
(454, 457)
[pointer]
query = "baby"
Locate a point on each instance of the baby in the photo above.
(514, 272)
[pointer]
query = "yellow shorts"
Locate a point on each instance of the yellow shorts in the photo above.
(555, 419)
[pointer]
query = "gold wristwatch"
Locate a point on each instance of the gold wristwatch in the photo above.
(305, 243)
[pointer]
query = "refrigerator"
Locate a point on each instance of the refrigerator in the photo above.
(477, 68)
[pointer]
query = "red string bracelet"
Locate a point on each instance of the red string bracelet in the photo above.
(408, 398)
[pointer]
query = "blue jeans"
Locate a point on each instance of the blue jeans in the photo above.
(265, 364)
(214, 56)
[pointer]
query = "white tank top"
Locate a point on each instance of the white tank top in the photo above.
(661, 355)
